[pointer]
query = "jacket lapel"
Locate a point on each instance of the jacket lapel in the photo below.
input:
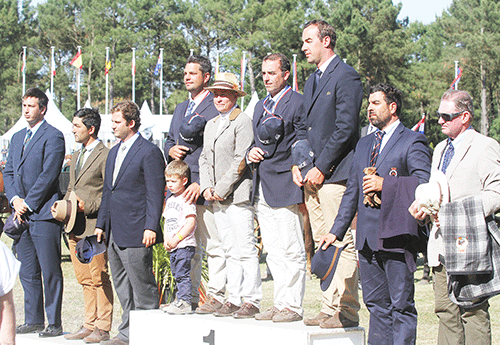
(234, 114)
(325, 78)
(396, 135)
(39, 133)
(460, 152)
(96, 152)
(126, 161)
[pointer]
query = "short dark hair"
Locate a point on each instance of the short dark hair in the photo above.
(203, 61)
(130, 111)
(35, 92)
(90, 118)
(284, 62)
(178, 168)
(461, 98)
(324, 30)
(391, 95)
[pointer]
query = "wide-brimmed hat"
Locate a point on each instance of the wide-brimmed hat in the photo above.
(191, 131)
(324, 263)
(65, 211)
(88, 247)
(226, 81)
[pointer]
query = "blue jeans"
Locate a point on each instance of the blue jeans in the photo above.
(180, 265)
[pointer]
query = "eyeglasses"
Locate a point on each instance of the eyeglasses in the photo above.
(448, 117)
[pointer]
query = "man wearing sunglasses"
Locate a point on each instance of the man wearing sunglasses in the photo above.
(470, 163)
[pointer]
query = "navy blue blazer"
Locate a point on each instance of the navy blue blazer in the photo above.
(333, 118)
(34, 176)
(134, 203)
(406, 153)
(206, 109)
(275, 173)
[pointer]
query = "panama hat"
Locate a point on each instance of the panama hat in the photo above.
(65, 211)
(226, 81)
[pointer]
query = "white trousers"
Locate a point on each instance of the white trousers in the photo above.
(235, 226)
(281, 231)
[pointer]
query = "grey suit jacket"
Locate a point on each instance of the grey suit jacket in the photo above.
(222, 156)
(88, 187)
(473, 171)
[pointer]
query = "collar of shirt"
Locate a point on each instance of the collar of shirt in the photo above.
(226, 114)
(199, 98)
(458, 140)
(389, 130)
(324, 66)
(88, 150)
(371, 128)
(128, 144)
(35, 128)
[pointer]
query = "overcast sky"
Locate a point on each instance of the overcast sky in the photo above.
(424, 11)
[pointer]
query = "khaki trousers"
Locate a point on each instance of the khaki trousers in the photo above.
(458, 326)
(323, 205)
(97, 289)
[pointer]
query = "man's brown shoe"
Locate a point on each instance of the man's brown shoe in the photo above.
(268, 314)
(80, 334)
(316, 320)
(114, 341)
(287, 315)
(227, 309)
(247, 311)
(97, 336)
(209, 307)
(338, 321)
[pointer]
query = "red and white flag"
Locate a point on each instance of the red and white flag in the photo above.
(420, 126)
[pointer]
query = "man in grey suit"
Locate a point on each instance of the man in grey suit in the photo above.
(332, 100)
(31, 175)
(86, 177)
(471, 163)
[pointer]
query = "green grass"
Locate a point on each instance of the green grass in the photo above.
(427, 321)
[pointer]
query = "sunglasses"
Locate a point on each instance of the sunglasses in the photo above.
(448, 117)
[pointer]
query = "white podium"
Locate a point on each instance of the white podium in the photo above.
(157, 327)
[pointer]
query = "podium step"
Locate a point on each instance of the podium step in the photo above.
(157, 327)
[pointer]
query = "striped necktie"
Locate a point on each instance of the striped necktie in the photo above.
(376, 148)
(27, 139)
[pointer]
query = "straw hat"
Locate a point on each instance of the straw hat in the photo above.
(65, 211)
(226, 81)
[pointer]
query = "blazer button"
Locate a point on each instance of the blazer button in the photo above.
(309, 129)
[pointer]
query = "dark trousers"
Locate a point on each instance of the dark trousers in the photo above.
(388, 293)
(180, 264)
(39, 251)
(134, 281)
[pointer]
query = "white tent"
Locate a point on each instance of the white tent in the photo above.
(251, 106)
(54, 117)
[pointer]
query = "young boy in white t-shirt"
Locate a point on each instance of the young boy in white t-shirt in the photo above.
(179, 228)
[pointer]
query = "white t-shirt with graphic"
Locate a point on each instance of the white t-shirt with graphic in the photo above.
(175, 214)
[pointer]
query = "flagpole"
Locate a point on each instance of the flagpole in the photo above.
(133, 74)
(243, 63)
(295, 86)
(456, 74)
(24, 70)
(78, 82)
(107, 79)
(52, 68)
(161, 82)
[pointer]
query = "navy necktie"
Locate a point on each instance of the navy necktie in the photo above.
(317, 77)
(448, 155)
(190, 108)
(27, 139)
(376, 148)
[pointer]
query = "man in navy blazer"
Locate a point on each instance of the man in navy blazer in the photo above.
(332, 100)
(196, 77)
(31, 184)
(386, 275)
(131, 206)
(274, 194)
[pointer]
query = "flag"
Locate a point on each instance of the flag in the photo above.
(420, 126)
(159, 64)
(77, 60)
(107, 67)
(23, 67)
(457, 79)
(295, 84)
(243, 69)
(53, 67)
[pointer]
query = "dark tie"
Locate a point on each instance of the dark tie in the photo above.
(80, 162)
(190, 108)
(27, 139)
(269, 104)
(376, 148)
(317, 77)
(448, 155)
